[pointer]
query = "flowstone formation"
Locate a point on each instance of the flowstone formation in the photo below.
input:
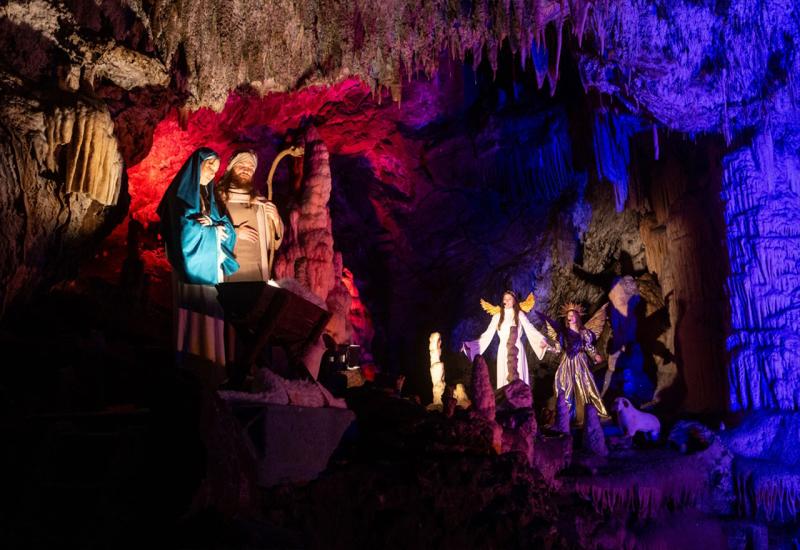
(761, 186)
(62, 190)
(309, 242)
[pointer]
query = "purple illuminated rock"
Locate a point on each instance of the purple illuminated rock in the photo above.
(713, 74)
(594, 440)
(516, 395)
(761, 187)
(483, 401)
(519, 431)
(449, 401)
(562, 415)
(689, 436)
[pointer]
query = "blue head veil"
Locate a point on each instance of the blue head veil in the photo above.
(196, 252)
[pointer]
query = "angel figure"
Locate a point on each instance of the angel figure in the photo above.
(506, 322)
(576, 340)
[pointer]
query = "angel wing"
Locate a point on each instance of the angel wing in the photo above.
(598, 320)
(527, 304)
(551, 327)
(490, 308)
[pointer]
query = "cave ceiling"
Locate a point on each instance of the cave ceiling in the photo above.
(693, 66)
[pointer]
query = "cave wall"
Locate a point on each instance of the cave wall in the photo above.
(693, 66)
(730, 69)
(63, 178)
(683, 229)
(761, 189)
(62, 190)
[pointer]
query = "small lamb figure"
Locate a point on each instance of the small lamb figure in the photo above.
(631, 421)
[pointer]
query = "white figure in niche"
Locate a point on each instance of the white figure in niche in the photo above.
(437, 368)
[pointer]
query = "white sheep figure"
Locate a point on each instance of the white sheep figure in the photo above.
(631, 421)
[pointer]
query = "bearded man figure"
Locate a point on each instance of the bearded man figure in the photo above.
(258, 226)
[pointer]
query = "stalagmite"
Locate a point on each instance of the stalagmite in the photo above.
(338, 303)
(482, 392)
(311, 236)
(307, 252)
(448, 402)
(437, 368)
(462, 400)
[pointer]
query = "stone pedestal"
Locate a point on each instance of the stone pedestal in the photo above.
(293, 443)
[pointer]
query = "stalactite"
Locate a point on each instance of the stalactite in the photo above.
(766, 490)
(94, 164)
(553, 75)
(649, 493)
(726, 126)
(583, 14)
(48, 228)
(539, 57)
(655, 142)
(611, 139)
(417, 39)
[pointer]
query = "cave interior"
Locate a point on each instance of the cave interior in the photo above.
(643, 154)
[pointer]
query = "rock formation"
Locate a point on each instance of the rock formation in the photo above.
(691, 67)
(761, 187)
(309, 241)
(594, 440)
(61, 179)
(562, 415)
(437, 368)
(482, 393)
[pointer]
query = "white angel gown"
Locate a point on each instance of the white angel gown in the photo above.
(534, 338)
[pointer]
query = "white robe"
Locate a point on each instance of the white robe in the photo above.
(534, 338)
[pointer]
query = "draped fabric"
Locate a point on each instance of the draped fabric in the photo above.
(574, 377)
(513, 342)
(199, 330)
(198, 254)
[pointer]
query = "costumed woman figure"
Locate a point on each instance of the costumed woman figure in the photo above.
(199, 242)
(574, 377)
(508, 322)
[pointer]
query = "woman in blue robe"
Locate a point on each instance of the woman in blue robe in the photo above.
(199, 242)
